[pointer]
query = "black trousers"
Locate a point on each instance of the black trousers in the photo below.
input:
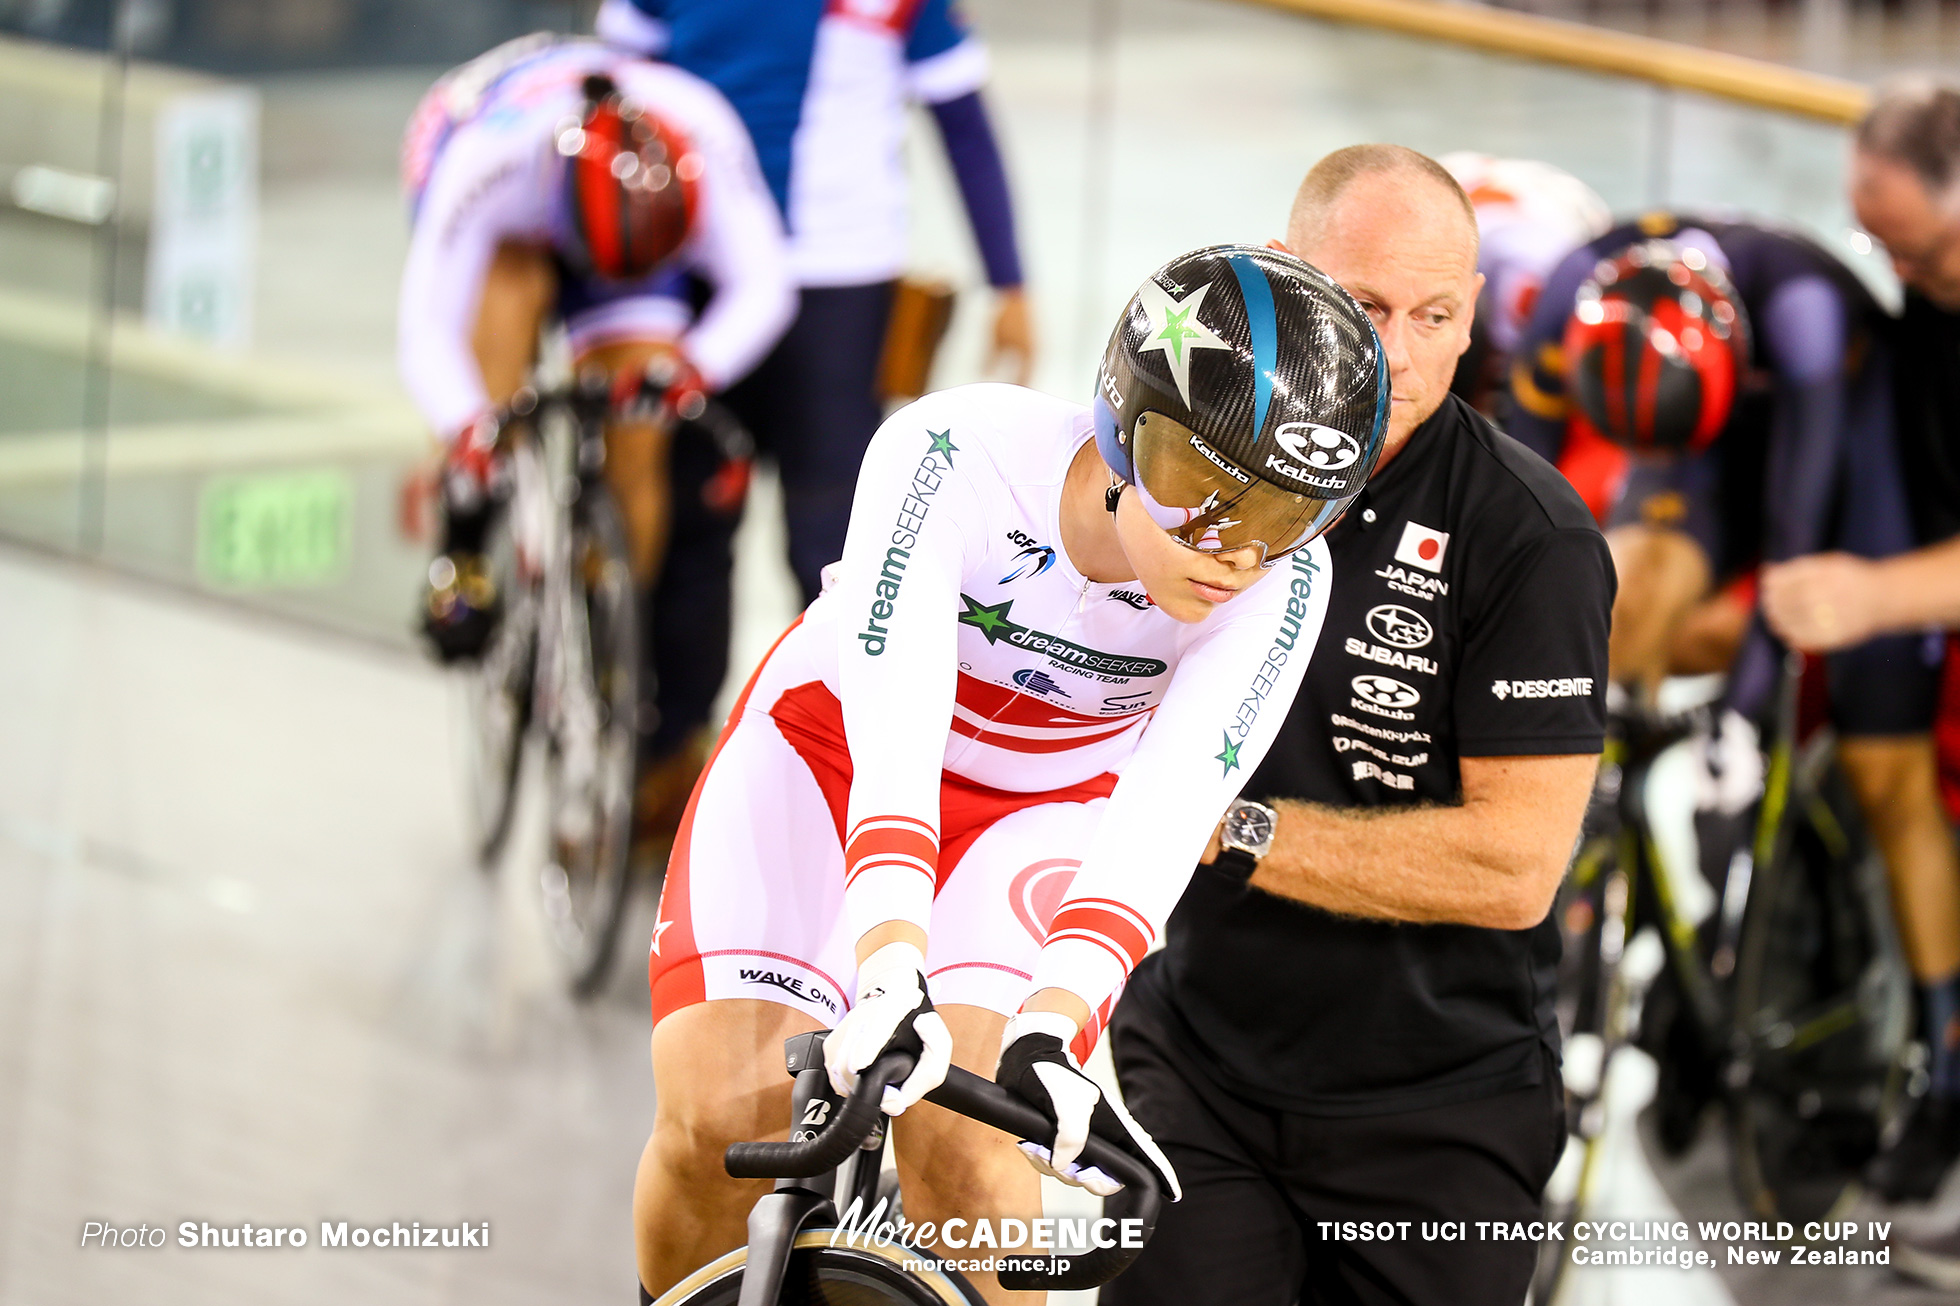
(1258, 1182)
(812, 407)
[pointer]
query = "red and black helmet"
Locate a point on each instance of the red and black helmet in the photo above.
(1656, 347)
(631, 185)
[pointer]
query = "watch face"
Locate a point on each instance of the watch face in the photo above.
(1250, 826)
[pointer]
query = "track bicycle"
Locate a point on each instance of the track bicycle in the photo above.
(564, 665)
(1788, 1004)
(797, 1254)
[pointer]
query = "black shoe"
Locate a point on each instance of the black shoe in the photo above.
(1932, 1258)
(461, 606)
(1910, 1168)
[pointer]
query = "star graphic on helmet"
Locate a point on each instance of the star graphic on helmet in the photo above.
(942, 444)
(1176, 330)
(993, 622)
(1230, 757)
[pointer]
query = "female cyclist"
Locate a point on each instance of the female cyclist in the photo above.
(958, 800)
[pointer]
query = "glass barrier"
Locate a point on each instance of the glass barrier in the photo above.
(197, 269)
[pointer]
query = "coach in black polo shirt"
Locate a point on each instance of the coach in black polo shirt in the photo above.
(1363, 1029)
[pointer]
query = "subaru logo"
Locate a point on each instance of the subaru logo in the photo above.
(1399, 627)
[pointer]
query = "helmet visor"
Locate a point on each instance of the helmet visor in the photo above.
(1208, 504)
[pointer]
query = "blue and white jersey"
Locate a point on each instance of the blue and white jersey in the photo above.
(823, 86)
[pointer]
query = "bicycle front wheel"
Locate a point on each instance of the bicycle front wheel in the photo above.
(500, 683)
(593, 743)
(822, 1275)
(1822, 1010)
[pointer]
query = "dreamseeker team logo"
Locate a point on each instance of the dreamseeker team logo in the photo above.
(994, 622)
(1239, 728)
(912, 511)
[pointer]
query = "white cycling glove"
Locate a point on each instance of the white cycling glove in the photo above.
(892, 1013)
(1037, 1066)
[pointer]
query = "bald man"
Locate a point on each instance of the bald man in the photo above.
(1351, 1019)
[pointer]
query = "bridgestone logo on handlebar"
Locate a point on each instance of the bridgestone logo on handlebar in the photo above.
(858, 1228)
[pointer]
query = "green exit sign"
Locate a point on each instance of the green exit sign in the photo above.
(275, 530)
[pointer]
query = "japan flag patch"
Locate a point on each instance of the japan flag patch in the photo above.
(1422, 547)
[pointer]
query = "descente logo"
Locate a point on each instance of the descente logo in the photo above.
(912, 512)
(1567, 687)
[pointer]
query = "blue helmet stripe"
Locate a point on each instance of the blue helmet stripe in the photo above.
(1264, 328)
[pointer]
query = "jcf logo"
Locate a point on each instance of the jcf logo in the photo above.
(1032, 560)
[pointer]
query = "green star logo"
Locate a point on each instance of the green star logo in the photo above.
(993, 622)
(1230, 757)
(942, 444)
(1176, 330)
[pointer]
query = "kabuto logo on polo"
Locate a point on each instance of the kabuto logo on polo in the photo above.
(1384, 691)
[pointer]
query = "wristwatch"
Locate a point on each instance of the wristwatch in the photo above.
(1247, 837)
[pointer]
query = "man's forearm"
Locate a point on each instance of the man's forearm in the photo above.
(1921, 588)
(1493, 862)
(1428, 864)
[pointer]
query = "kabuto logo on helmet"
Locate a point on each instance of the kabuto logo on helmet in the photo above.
(1244, 396)
(1317, 446)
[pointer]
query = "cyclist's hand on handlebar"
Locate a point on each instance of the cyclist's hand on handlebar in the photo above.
(892, 1013)
(671, 379)
(1037, 1066)
(470, 462)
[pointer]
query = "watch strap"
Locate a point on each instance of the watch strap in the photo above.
(1236, 862)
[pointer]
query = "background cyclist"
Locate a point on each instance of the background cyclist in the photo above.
(561, 180)
(992, 749)
(1529, 216)
(1906, 191)
(1746, 369)
(825, 91)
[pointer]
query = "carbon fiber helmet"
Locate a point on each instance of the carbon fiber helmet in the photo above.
(1246, 395)
(1656, 347)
